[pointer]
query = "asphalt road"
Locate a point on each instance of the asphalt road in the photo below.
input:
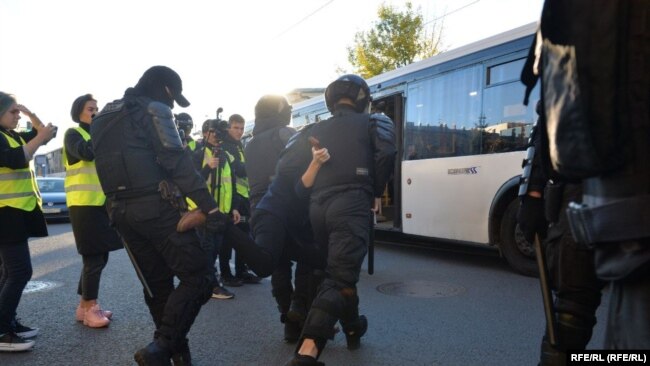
(424, 308)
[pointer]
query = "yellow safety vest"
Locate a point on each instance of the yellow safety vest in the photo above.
(82, 186)
(191, 145)
(18, 188)
(225, 191)
(241, 184)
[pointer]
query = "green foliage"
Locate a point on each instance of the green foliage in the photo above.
(396, 39)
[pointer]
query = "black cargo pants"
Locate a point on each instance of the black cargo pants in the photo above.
(148, 225)
(341, 223)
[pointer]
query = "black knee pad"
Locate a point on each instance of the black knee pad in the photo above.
(573, 332)
(321, 319)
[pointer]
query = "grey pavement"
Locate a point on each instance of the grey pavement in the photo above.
(424, 308)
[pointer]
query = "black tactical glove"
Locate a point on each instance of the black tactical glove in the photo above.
(216, 222)
(530, 217)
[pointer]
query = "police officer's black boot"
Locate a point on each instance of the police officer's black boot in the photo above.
(551, 356)
(155, 354)
(354, 331)
(182, 357)
(291, 329)
(297, 311)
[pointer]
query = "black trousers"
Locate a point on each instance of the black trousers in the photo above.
(628, 321)
(341, 223)
(571, 265)
(148, 225)
(91, 273)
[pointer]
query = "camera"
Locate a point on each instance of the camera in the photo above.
(184, 124)
(218, 126)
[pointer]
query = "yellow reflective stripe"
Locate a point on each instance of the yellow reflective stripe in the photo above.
(16, 195)
(84, 187)
(88, 169)
(15, 175)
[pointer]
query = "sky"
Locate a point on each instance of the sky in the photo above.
(228, 53)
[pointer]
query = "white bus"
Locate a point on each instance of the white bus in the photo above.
(461, 133)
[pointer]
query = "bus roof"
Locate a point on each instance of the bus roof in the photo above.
(511, 35)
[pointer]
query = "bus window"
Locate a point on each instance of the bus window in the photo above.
(507, 121)
(442, 115)
(508, 71)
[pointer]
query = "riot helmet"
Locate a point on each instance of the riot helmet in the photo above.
(184, 121)
(273, 107)
(348, 86)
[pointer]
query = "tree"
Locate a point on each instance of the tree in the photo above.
(396, 39)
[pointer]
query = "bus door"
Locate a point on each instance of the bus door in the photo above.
(390, 217)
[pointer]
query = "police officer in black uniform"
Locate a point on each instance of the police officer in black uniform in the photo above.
(270, 136)
(137, 146)
(572, 274)
(595, 77)
(347, 187)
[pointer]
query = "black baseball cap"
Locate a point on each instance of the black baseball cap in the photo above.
(165, 76)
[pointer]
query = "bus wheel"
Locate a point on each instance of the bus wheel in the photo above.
(519, 253)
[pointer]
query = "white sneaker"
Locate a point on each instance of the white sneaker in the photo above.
(10, 342)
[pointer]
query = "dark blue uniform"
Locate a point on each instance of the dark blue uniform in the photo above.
(362, 150)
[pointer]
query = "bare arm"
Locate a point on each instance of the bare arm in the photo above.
(319, 157)
(44, 133)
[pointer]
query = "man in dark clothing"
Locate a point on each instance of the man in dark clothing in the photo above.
(270, 136)
(346, 189)
(137, 147)
(232, 144)
(185, 124)
(593, 58)
(571, 265)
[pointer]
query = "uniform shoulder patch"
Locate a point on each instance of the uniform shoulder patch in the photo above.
(113, 107)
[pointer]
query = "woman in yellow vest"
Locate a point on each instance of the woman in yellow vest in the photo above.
(90, 224)
(20, 216)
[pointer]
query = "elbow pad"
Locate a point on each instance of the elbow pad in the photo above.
(163, 122)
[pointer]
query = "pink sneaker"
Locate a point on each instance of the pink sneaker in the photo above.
(79, 313)
(94, 317)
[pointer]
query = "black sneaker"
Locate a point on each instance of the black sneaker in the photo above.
(24, 331)
(231, 281)
(301, 360)
(221, 293)
(11, 342)
(249, 278)
(153, 355)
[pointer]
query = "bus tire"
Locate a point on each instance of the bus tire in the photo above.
(519, 254)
